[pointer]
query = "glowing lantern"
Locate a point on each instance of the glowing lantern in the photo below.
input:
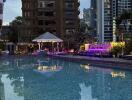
(86, 47)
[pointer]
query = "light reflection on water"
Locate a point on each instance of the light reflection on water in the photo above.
(37, 78)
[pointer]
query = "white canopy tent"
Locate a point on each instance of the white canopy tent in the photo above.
(47, 37)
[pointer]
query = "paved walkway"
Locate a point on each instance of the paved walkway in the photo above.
(110, 62)
(98, 58)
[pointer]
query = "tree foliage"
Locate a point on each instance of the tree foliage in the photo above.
(2, 46)
(128, 48)
(86, 35)
(83, 26)
(15, 26)
(17, 21)
(126, 15)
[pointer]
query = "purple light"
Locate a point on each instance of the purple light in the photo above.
(99, 46)
(99, 49)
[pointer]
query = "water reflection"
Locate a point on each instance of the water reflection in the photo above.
(17, 81)
(86, 92)
(70, 81)
(118, 74)
(44, 67)
(2, 91)
(86, 67)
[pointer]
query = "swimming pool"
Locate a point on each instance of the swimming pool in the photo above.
(43, 78)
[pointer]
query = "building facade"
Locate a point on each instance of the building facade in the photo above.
(93, 18)
(57, 16)
(107, 13)
(1, 12)
(87, 15)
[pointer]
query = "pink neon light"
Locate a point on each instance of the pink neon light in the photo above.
(99, 48)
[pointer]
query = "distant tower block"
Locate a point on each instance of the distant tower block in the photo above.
(1, 12)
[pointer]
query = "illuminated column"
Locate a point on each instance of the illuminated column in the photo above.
(114, 29)
(86, 47)
(114, 15)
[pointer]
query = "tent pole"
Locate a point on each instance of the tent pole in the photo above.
(39, 46)
(57, 46)
(52, 47)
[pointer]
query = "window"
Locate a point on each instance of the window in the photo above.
(69, 5)
(49, 13)
(70, 31)
(1, 8)
(40, 22)
(41, 4)
(48, 22)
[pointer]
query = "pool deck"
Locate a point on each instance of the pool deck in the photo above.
(104, 62)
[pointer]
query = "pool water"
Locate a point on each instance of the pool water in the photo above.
(42, 78)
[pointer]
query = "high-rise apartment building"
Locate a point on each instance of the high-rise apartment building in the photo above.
(107, 13)
(1, 12)
(93, 8)
(93, 18)
(87, 15)
(56, 16)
